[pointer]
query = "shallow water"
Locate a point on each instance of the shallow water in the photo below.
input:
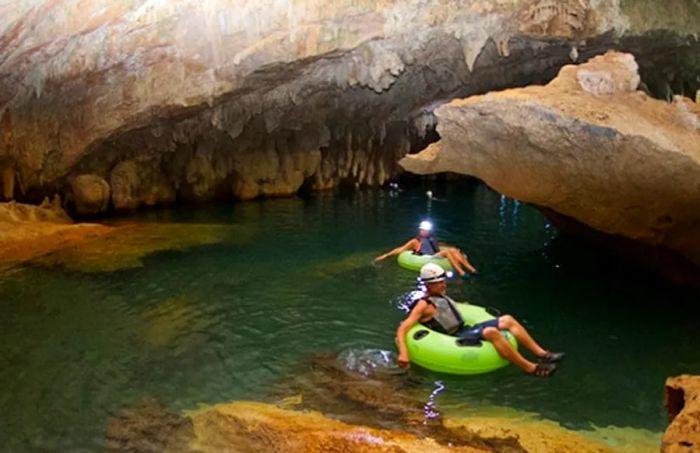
(230, 321)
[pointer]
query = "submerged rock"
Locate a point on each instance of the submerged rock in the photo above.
(148, 427)
(262, 97)
(365, 387)
(244, 426)
(586, 147)
(46, 236)
(124, 246)
(28, 231)
(248, 426)
(682, 401)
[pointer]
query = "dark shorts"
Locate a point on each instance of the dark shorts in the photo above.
(476, 331)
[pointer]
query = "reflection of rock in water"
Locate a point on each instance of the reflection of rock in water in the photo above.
(148, 427)
(364, 387)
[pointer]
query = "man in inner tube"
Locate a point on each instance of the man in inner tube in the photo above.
(438, 311)
(425, 244)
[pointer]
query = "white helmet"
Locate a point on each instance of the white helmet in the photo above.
(425, 225)
(431, 273)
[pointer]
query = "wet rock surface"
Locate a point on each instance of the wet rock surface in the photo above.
(366, 406)
(588, 147)
(682, 401)
(46, 236)
(148, 427)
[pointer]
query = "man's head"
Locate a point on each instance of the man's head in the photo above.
(425, 229)
(435, 278)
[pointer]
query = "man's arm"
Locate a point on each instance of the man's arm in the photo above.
(407, 246)
(404, 327)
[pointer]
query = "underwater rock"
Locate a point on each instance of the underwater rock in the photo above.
(91, 194)
(28, 232)
(588, 147)
(261, 98)
(366, 387)
(175, 324)
(46, 236)
(249, 426)
(148, 427)
(123, 246)
(682, 401)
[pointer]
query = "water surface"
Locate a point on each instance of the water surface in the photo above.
(230, 321)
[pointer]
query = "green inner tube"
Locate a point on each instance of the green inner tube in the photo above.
(439, 352)
(413, 262)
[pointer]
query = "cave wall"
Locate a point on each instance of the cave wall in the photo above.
(162, 101)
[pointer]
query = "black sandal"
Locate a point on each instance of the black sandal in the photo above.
(551, 357)
(544, 370)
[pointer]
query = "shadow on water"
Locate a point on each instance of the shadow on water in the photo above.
(230, 320)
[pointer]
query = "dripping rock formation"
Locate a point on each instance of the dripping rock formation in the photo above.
(137, 103)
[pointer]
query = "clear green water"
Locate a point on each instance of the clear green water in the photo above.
(228, 321)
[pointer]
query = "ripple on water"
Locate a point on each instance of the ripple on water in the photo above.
(229, 320)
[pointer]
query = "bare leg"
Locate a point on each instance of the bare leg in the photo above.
(466, 262)
(506, 350)
(453, 261)
(510, 324)
(462, 258)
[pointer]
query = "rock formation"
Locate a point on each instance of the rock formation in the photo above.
(587, 147)
(243, 426)
(682, 401)
(46, 236)
(92, 194)
(196, 100)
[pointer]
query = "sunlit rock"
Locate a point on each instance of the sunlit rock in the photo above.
(587, 147)
(260, 427)
(253, 426)
(682, 401)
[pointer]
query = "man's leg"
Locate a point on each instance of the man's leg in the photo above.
(506, 350)
(510, 324)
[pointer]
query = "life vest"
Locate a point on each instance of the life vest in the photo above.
(446, 318)
(427, 246)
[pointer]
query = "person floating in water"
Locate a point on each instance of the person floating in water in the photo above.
(437, 311)
(425, 244)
